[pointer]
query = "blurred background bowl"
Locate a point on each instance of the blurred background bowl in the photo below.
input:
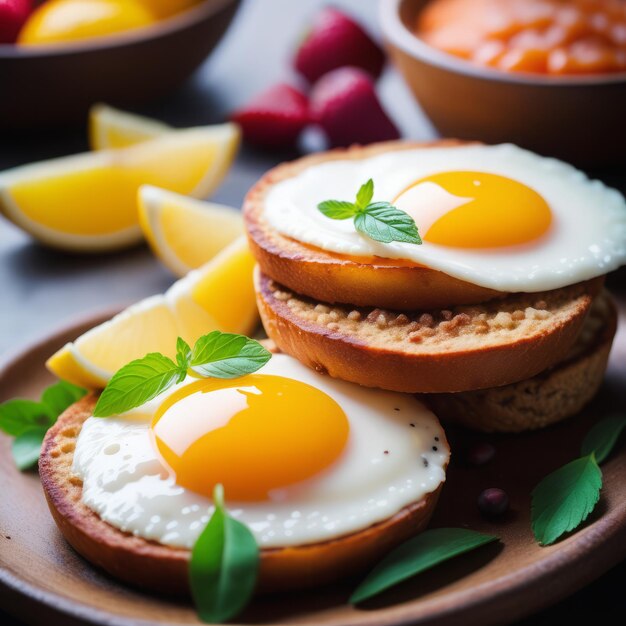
(52, 85)
(581, 119)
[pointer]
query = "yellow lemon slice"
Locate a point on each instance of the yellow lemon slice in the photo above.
(89, 201)
(112, 128)
(165, 8)
(218, 296)
(185, 233)
(62, 21)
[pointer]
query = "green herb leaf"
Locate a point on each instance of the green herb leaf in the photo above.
(224, 355)
(183, 358)
(224, 566)
(417, 555)
(27, 446)
(564, 499)
(61, 395)
(383, 222)
(136, 383)
(17, 416)
(365, 194)
(337, 209)
(603, 436)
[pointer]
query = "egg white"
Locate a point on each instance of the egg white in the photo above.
(396, 454)
(587, 237)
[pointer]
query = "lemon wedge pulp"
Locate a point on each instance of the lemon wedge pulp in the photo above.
(89, 201)
(218, 296)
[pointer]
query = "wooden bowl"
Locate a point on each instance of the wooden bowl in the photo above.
(576, 118)
(48, 85)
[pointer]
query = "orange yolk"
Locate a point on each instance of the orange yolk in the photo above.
(481, 210)
(252, 434)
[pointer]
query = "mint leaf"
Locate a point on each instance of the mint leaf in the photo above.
(183, 358)
(224, 566)
(603, 436)
(136, 383)
(365, 194)
(337, 209)
(61, 395)
(27, 446)
(564, 499)
(18, 416)
(225, 355)
(383, 222)
(417, 555)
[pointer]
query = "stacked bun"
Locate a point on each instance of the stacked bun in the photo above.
(490, 359)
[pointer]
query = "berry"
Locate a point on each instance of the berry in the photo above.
(335, 40)
(274, 118)
(480, 453)
(13, 14)
(345, 104)
(493, 502)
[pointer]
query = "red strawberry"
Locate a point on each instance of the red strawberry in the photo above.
(275, 118)
(345, 104)
(336, 40)
(13, 14)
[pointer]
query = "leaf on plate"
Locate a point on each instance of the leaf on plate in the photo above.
(60, 395)
(18, 416)
(417, 555)
(603, 436)
(564, 499)
(224, 566)
(27, 446)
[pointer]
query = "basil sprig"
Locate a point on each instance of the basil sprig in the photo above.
(380, 221)
(417, 555)
(28, 420)
(564, 499)
(216, 355)
(224, 565)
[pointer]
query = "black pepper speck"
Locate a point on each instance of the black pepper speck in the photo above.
(435, 448)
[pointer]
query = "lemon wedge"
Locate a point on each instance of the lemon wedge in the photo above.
(112, 128)
(218, 296)
(185, 233)
(88, 202)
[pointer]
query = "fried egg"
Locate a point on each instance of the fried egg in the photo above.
(303, 458)
(495, 216)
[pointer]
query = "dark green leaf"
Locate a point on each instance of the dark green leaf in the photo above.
(564, 499)
(417, 555)
(136, 383)
(225, 355)
(603, 436)
(224, 566)
(27, 446)
(61, 395)
(365, 194)
(18, 416)
(183, 357)
(383, 222)
(337, 209)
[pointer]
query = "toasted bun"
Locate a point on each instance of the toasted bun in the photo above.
(321, 275)
(156, 567)
(553, 395)
(458, 349)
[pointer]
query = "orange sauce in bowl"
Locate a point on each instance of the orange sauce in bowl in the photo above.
(554, 37)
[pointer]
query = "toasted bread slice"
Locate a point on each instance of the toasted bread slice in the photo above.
(552, 395)
(458, 349)
(329, 277)
(156, 567)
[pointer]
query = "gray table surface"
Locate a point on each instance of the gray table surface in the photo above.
(41, 290)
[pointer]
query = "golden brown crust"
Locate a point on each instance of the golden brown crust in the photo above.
(551, 396)
(328, 277)
(153, 566)
(349, 343)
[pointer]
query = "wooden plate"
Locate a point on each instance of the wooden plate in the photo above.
(43, 581)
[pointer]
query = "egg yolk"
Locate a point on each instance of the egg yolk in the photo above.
(252, 434)
(475, 210)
